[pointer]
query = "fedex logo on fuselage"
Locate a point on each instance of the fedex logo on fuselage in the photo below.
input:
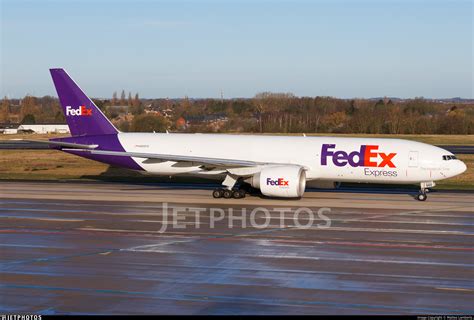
(277, 182)
(80, 111)
(367, 156)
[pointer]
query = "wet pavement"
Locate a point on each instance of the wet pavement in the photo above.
(72, 248)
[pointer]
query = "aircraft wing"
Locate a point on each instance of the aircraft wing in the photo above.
(218, 162)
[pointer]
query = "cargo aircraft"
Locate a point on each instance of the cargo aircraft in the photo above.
(279, 166)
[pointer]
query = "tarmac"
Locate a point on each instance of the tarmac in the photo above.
(123, 248)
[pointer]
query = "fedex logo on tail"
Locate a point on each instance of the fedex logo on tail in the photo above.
(367, 156)
(80, 111)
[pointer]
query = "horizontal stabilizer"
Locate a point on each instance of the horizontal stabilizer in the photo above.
(62, 144)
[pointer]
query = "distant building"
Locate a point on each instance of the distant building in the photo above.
(167, 113)
(44, 128)
(9, 128)
(153, 112)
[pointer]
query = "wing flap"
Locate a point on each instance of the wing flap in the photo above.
(178, 158)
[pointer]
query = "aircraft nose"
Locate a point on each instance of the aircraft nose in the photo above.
(461, 167)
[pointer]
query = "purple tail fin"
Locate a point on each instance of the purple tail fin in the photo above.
(82, 115)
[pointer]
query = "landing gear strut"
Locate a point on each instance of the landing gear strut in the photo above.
(424, 189)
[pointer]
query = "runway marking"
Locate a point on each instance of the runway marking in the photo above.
(181, 222)
(258, 216)
(165, 243)
(240, 299)
(446, 232)
(320, 282)
(5, 265)
(366, 244)
(27, 246)
(145, 197)
(456, 289)
(148, 231)
(41, 210)
(246, 237)
(261, 270)
(382, 261)
(422, 213)
(404, 213)
(297, 228)
(43, 219)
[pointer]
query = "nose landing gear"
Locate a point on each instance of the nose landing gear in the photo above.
(421, 196)
(424, 189)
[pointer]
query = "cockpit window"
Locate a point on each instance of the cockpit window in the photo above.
(449, 157)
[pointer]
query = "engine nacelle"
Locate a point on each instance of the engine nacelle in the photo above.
(319, 184)
(280, 181)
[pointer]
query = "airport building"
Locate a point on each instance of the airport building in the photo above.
(40, 128)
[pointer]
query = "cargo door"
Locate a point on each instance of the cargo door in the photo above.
(413, 159)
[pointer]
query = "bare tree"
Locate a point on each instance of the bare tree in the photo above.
(28, 106)
(129, 99)
(136, 101)
(122, 98)
(4, 109)
(114, 98)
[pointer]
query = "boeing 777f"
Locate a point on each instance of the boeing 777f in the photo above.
(278, 166)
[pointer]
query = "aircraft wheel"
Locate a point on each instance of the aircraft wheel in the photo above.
(239, 194)
(421, 197)
(227, 194)
(217, 193)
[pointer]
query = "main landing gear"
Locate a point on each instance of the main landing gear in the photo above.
(229, 191)
(424, 189)
(227, 194)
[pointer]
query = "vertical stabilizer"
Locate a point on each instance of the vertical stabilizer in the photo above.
(82, 115)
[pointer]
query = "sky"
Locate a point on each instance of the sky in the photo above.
(339, 48)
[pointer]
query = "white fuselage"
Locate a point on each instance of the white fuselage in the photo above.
(325, 158)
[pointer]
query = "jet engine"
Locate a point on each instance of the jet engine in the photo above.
(280, 181)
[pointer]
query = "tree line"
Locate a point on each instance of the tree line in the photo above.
(286, 113)
(265, 113)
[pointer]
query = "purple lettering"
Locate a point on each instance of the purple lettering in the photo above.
(325, 153)
(340, 158)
